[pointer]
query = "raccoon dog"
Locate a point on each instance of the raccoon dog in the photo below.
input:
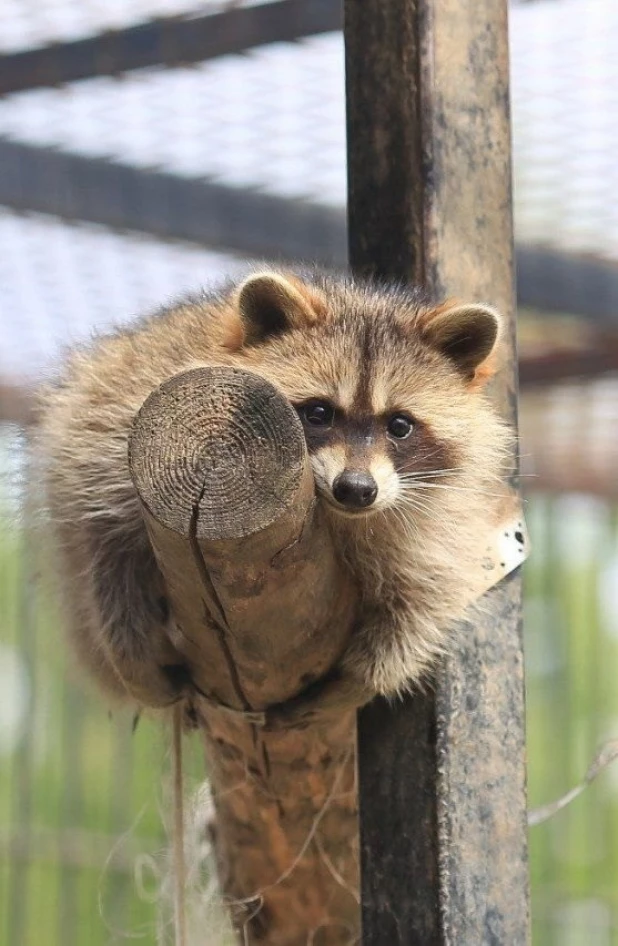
(405, 448)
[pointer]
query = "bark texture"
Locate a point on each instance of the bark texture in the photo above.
(261, 609)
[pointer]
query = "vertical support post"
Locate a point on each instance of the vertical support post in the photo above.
(442, 777)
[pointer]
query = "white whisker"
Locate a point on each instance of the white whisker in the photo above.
(464, 489)
(441, 526)
(413, 476)
(428, 513)
(433, 474)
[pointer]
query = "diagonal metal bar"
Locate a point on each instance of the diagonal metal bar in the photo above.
(168, 42)
(254, 223)
(553, 280)
(123, 197)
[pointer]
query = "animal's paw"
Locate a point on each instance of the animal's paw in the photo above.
(388, 660)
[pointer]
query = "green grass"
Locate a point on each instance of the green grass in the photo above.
(80, 793)
(572, 707)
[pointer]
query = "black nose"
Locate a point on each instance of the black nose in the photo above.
(355, 490)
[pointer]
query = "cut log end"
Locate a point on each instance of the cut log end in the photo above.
(223, 439)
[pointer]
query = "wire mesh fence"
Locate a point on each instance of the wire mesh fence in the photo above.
(138, 181)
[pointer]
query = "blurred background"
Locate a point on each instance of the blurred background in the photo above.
(149, 147)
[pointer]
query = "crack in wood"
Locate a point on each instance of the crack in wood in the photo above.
(214, 603)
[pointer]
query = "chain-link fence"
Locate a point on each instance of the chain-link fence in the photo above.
(148, 148)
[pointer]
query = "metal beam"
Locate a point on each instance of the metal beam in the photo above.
(551, 368)
(168, 42)
(164, 205)
(441, 776)
(254, 223)
(553, 280)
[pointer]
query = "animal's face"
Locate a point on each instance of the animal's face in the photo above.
(361, 456)
(385, 387)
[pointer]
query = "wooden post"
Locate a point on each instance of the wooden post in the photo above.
(442, 778)
(261, 609)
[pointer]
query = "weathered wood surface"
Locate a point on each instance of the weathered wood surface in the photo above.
(261, 608)
(442, 776)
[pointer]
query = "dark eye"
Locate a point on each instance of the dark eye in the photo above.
(318, 413)
(400, 426)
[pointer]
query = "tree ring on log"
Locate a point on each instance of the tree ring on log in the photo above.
(233, 443)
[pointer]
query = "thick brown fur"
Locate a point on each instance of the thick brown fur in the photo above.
(370, 351)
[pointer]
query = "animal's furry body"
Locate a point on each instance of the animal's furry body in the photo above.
(372, 355)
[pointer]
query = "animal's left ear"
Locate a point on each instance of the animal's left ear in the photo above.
(271, 303)
(466, 335)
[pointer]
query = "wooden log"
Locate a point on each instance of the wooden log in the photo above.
(261, 609)
(441, 776)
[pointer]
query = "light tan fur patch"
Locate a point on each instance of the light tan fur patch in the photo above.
(379, 397)
(384, 474)
(327, 463)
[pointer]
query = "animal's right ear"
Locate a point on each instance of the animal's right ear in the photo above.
(466, 335)
(269, 304)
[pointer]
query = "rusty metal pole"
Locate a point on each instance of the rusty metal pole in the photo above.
(442, 777)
